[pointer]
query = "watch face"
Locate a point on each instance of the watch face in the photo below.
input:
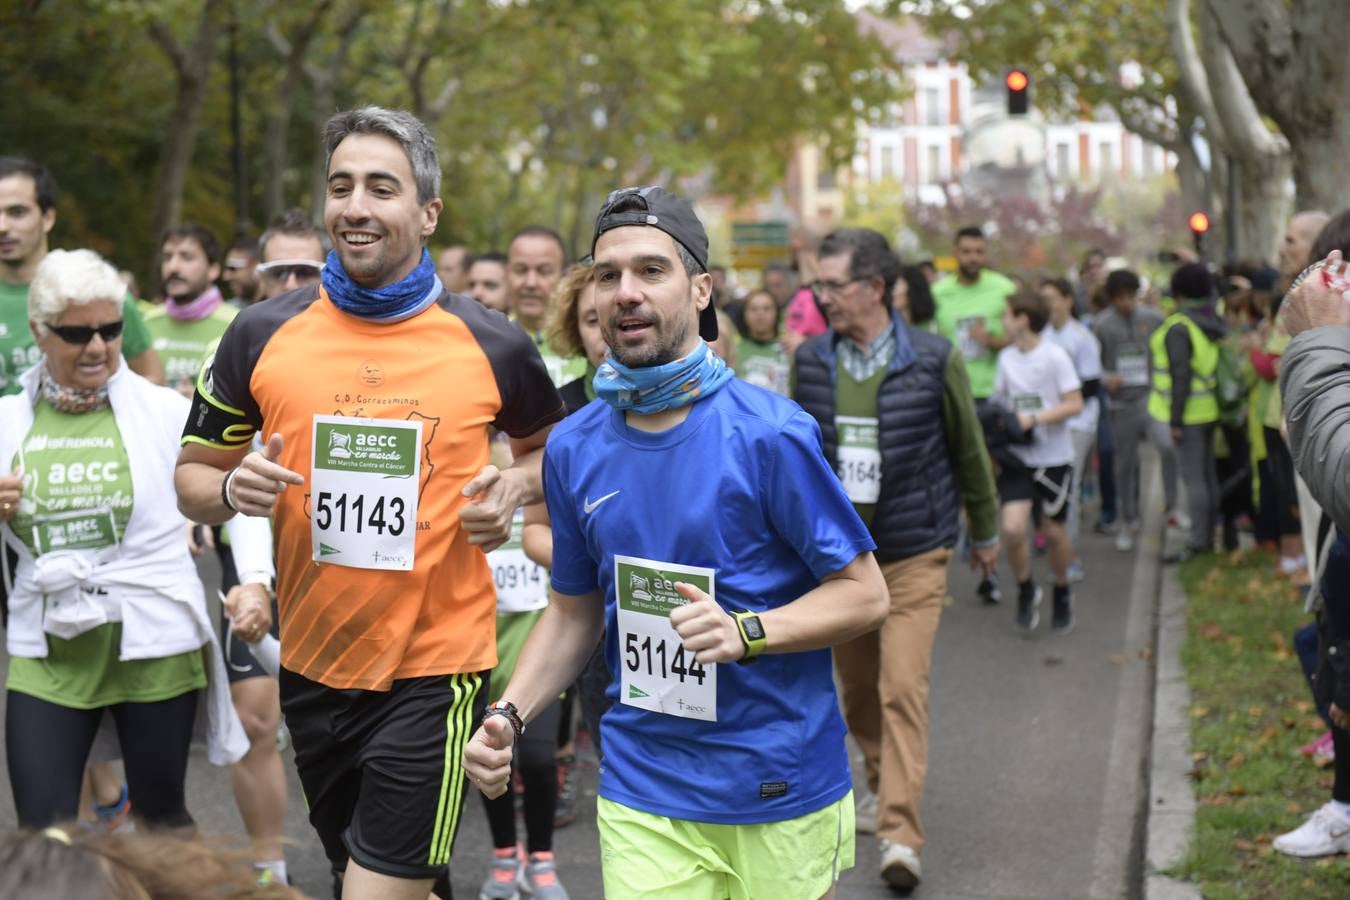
(753, 629)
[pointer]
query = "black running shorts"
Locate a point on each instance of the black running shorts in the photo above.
(381, 770)
(1051, 485)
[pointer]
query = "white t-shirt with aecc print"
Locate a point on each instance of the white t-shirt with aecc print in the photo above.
(1030, 382)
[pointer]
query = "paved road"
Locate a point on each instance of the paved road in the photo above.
(1036, 751)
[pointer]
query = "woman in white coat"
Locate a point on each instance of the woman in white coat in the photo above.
(106, 608)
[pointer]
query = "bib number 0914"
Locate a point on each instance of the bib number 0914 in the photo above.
(379, 515)
(652, 657)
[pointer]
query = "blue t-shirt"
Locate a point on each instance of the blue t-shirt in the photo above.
(740, 487)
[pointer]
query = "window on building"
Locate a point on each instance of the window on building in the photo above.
(932, 106)
(1062, 166)
(1149, 163)
(825, 180)
(887, 162)
(934, 172)
(1106, 158)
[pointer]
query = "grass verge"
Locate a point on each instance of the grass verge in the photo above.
(1251, 710)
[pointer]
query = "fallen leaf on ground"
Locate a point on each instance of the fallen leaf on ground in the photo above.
(1119, 659)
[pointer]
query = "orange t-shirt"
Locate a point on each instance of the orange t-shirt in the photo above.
(456, 367)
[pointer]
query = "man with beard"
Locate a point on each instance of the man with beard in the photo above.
(970, 306)
(194, 315)
(535, 260)
(698, 527)
(383, 500)
(27, 216)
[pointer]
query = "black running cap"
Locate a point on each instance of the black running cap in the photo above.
(655, 207)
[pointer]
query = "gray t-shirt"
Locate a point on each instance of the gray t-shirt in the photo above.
(1125, 349)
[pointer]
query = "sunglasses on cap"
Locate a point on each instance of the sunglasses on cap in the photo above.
(282, 269)
(83, 334)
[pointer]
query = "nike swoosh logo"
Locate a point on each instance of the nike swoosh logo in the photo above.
(588, 507)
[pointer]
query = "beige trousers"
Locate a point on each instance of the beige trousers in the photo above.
(883, 677)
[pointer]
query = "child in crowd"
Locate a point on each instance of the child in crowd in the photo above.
(1037, 380)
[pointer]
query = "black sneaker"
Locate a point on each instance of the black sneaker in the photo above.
(989, 591)
(1061, 621)
(1029, 609)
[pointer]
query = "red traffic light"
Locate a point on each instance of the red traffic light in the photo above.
(1017, 80)
(1199, 222)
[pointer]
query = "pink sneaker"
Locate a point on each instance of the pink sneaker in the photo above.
(1322, 750)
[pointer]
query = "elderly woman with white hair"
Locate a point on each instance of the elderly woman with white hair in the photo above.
(106, 608)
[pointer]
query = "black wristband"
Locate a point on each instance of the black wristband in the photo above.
(225, 490)
(508, 711)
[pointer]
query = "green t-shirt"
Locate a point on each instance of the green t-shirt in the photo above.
(86, 672)
(183, 346)
(77, 495)
(763, 365)
(18, 352)
(77, 491)
(959, 307)
(856, 433)
(561, 369)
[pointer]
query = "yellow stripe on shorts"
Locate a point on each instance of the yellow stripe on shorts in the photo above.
(458, 728)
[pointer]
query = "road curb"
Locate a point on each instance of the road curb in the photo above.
(1171, 799)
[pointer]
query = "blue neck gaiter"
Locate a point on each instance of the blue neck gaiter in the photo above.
(392, 303)
(658, 388)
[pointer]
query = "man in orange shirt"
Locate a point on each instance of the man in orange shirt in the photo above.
(375, 390)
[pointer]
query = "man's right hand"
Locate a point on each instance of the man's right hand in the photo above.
(1112, 383)
(487, 756)
(259, 480)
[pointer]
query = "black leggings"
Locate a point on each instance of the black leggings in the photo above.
(537, 762)
(47, 746)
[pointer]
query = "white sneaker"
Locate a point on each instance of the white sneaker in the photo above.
(865, 812)
(899, 866)
(1326, 833)
(1125, 539)
(1179, 520)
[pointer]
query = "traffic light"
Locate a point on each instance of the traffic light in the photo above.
(1018, 83)
(1199, 223)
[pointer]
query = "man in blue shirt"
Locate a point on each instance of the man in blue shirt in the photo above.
(697, 525)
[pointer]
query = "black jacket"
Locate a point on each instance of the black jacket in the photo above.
(919, 505)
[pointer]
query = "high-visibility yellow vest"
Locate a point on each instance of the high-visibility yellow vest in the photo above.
(1202, 405)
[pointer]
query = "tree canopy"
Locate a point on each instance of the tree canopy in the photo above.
(539, 108)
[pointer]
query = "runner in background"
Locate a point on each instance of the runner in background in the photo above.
(761, 358)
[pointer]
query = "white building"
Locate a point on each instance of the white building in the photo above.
(949, 127)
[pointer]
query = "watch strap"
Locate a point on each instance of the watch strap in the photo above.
(508, 711)
(752, 633)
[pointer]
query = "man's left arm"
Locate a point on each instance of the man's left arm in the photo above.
(847, 604)
(970, 458)
(495, 494)
(806, 506)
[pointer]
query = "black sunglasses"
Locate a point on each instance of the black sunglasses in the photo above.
(83, 334)
(283, 269)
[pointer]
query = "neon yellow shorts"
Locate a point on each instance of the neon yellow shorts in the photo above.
(644, 855)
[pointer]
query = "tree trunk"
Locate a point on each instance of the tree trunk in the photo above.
(276, 136)
(1291, 54)
(193, 67)
(1262, 205)
(1260, 155)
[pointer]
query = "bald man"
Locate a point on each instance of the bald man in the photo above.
(1298, 239)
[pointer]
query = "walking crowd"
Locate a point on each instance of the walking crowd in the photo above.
(475, 510)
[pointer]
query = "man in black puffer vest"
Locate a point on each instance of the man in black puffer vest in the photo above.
(899, 425)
